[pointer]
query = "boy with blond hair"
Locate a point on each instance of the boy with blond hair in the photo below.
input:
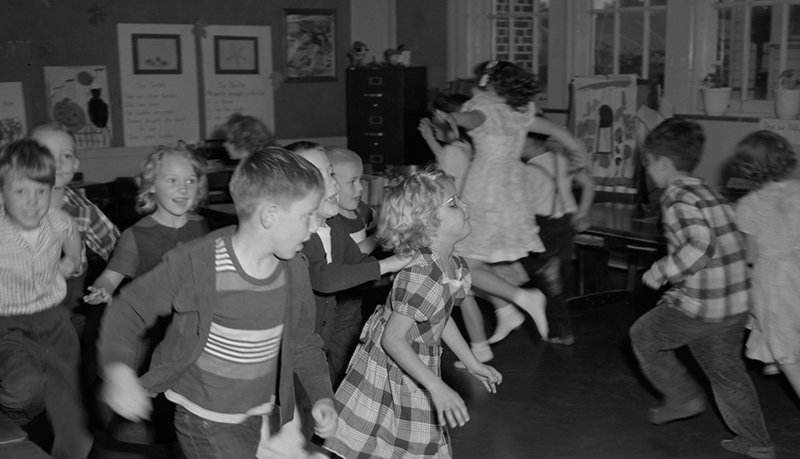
(39, 350)
(242, 319)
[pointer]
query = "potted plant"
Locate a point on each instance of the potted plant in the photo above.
(716, 92)
(787, 95)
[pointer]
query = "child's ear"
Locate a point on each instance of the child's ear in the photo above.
(268, 214)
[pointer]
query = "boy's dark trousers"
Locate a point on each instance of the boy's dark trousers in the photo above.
(717, 347)
(39, 362)
(550, 270)
(203, 439)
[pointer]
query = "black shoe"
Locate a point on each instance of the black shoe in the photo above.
(664, 413)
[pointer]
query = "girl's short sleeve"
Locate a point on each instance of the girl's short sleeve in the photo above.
(125, 259)
(746, 214)
(416, 293)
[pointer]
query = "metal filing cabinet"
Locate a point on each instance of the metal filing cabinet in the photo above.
(384, 106)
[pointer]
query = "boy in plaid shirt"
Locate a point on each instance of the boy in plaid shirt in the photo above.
(706, 305)
(97, 232)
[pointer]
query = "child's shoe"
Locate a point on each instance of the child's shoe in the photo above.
(668, 412)
(757, 452)
(566, 340)
(508, 320)
(534, 302)
(10, 432)
(770, 369)
(483, 352)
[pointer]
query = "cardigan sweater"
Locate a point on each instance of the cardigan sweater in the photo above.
(184, 286)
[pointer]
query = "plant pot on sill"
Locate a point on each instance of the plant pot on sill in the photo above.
(715, 100)
(787, 103)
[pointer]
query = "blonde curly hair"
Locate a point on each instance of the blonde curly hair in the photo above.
(409, 215)
(145, 200)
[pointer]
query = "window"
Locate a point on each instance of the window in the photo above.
(520, 35)
(755, 41)
(629, 36)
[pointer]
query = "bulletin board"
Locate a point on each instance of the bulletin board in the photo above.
(13, 120)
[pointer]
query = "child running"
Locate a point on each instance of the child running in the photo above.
(770, 218)
(392, 402)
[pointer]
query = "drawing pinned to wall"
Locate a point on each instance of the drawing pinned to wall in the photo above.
(310, 45)
(77, 97)
(604, 108)
(236, 55)
(156, 54)
(12, 112)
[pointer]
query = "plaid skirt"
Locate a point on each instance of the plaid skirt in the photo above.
(384, 412)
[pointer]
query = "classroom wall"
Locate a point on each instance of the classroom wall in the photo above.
(422, 28)
(35, 34)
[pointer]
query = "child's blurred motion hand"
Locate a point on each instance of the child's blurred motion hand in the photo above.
(123, 393)
(487, 375)
(426, 129)
(325, 418)
(449, 405)
(98, 295)
(581, 223)
(393, 264)
(649, 279)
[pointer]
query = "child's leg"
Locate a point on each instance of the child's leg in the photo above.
(23, 378)
(792, 372)
(530, 300)
(476, 334)
(719, 353)
(203, 439)
(63, 399)
(344, 339)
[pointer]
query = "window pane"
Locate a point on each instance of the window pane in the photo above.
(541, 70)
(502, 41)
(762, 52)
(604, 44)
(636, 3)
(522, 6)
(729, 53)
(522, 43)
(658, 2)
(542, 6)
(603, 4)
(502, 6)
(631, 39)
(658, 46)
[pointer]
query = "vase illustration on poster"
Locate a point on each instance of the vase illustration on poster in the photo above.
(75, 99)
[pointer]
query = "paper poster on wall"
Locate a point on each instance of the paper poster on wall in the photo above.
(790, 129)
(237, 63)
(77, 97)
(158, 79)
(605, 108)
(12, 112)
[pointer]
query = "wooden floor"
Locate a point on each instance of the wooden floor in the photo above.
(585, 401)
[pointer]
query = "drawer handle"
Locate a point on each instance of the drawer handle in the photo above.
(374, 134)
(373, 94)
(375, 120)
(376, 159)
(375, 81)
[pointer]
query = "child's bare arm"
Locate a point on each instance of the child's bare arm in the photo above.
(368, 245)
(484, 373)
(123, 393)
(70, 263)
(468, 120)
(393, 264)
(104, 287)
(426, 130)
(449, 404)
(582, 219)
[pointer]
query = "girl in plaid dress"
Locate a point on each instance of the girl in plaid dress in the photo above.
(393, 403)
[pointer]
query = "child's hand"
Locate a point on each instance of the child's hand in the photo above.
(98, 295)
(325, 418)
(66, 267)
(581, 223)
(123, 393)
(488, 376)
(649, 279)
(450, 406)
(425, 128)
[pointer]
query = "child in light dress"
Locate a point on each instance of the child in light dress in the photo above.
(770, 219)
(393, 401)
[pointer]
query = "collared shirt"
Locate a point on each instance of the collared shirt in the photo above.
(29, 277)
(96, 230)
(550, 185)
(705, 260)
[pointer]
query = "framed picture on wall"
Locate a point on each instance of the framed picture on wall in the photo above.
(309, 37)
(235, 55)
(157, 54)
